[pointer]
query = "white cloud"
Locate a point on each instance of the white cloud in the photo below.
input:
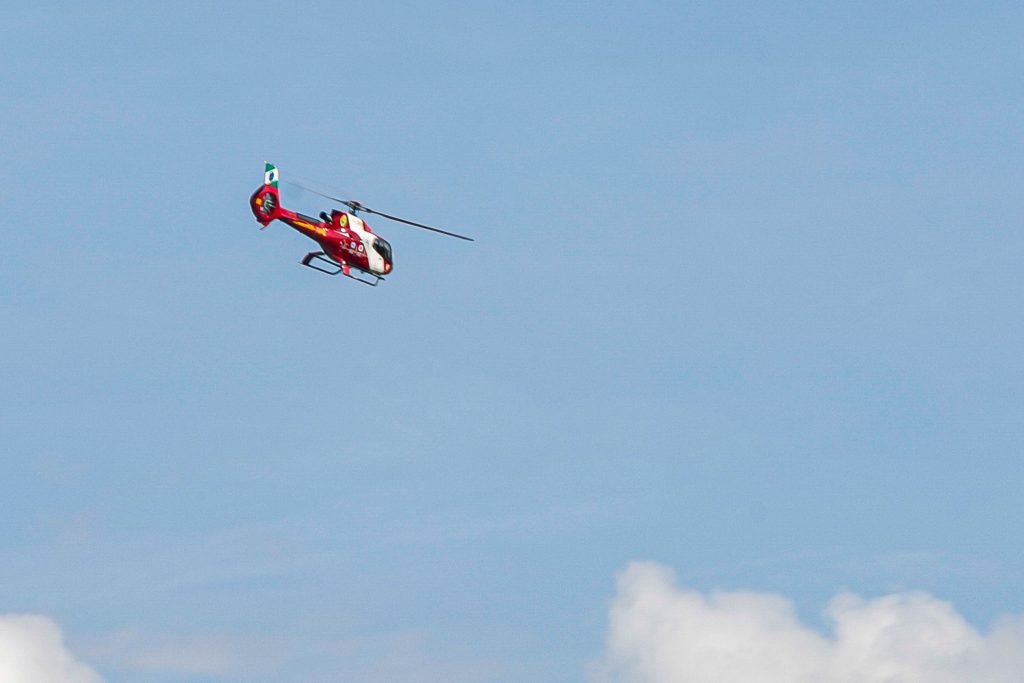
(660, 633)
(32, 650)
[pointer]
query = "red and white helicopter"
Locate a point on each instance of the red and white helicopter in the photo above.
(347, 241)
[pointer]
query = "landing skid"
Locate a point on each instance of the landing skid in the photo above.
(335, 268)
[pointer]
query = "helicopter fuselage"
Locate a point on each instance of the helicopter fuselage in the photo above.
(344, 238)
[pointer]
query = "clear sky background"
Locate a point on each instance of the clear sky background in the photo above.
(745, 301)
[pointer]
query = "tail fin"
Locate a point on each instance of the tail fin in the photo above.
(270, 175)
(266, 201)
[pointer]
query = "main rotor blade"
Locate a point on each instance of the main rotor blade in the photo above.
(310, 189)
(417, 225)
(356, 206)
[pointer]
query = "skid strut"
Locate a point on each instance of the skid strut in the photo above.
(334, 268)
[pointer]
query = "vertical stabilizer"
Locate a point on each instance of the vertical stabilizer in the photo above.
(270, 174)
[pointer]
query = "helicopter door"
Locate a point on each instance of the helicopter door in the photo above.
(383, 248)
(378, 254)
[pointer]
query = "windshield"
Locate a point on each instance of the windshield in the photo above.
(383, 248)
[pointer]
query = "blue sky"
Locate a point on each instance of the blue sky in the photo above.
(744, 301)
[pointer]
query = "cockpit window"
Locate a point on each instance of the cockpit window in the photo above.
(383, 248)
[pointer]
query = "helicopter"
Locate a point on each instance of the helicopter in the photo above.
(349, 246)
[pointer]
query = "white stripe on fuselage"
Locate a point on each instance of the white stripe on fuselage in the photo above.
(376, 261)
